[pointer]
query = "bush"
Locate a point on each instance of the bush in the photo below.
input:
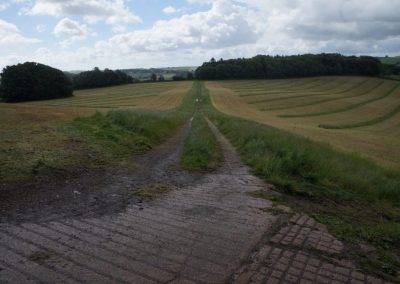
(97, 78)
(32, 81)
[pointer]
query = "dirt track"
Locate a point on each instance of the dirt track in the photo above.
(206, 229)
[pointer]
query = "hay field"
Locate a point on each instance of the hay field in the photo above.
(154, 96)
(355, 114)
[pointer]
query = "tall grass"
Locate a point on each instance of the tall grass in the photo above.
(121, 133)
(201, 151)
(116, 135)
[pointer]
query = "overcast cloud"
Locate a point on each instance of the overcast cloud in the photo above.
(81, 34)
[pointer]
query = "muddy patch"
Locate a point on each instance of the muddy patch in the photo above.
(40, 257)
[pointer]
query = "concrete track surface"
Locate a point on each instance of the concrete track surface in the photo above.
(210, 230)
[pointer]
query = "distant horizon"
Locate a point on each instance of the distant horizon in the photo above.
(196, 66)
(193, 66)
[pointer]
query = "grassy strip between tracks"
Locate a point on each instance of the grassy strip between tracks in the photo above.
(358, 200)
(202, 151)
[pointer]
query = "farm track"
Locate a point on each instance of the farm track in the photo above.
(206, 229)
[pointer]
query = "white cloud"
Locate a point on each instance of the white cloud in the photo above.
(4, 6)
(41, 28)
(226, 28)
(171, 10)
(222, 26)
(10, 37)
(70, 30)
(200, 1)
(243, 28)
(323, 19)
(113, 12)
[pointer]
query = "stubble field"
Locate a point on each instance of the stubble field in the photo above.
(355, 114)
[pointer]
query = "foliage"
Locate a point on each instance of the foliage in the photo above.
(32, 81)
(262, 67)
(189, 76)
(97, 78)
(178, 78)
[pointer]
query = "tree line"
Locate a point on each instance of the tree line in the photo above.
(97, 78)
(274, 67)
(31, 81)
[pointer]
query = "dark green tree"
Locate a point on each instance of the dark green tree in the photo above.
(189, 76)
(262, 67)
(97, 78)
(32, 81)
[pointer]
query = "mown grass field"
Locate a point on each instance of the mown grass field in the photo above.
(355, 114)
(37, 137)
(154, 96)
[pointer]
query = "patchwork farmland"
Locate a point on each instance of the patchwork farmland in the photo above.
(355, 114)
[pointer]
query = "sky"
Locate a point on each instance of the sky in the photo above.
(82, 34)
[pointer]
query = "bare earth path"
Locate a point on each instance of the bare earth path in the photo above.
(208, 229)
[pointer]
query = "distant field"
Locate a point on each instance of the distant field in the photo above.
(155, 96)
(356, 114)
(390, 60)
(30, 132)
(167, 73)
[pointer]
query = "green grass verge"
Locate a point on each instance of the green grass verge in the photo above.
(117, 134)
(346, 108)
(201, 151)
(358, 200)
(362, 123)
